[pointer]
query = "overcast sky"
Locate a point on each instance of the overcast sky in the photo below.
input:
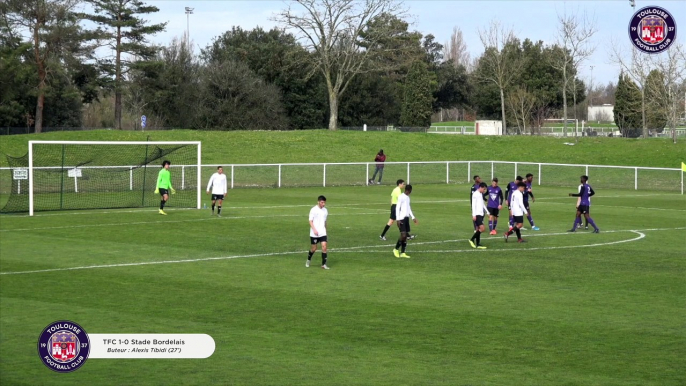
(536, 20)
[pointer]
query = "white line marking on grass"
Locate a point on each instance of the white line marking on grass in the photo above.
(349, 249)
(493, 238)
(640, 236)
(180, 221)
(143, 210)
(615, 196)
(106, 225)
(618, 206)
(95, 211)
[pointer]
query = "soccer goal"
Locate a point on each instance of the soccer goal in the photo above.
(71, 175)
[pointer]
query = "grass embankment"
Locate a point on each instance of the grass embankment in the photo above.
(240, 147)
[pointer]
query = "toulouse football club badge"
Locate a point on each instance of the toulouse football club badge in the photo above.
(63, 346)
(652, 29)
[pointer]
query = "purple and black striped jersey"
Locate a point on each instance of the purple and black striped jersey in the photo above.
(495, 197)
(585, 192)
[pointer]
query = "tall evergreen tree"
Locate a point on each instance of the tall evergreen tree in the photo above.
(124, 30)
(657, 102)
(419, 88)
(627, 110)
(56, 41)
(15, 79)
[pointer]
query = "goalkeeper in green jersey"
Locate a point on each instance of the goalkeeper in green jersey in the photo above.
(164, 186)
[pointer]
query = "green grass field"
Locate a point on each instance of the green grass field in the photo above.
(563, 309)
(258, 147)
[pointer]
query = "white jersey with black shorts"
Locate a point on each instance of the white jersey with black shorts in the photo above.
(478, 208)
(318, 217)
(218, 185)
(403, 213)
(518, 208)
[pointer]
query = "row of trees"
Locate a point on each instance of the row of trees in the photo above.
(334, 62)
(650, 91)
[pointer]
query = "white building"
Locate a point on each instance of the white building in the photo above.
(488, 127)
(604, 113)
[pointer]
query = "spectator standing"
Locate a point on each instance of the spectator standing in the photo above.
(379, 159)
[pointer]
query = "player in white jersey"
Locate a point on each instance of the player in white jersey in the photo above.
(518, 212)
(478, 212)
(318, 215)
(218, 185)
(403, 212)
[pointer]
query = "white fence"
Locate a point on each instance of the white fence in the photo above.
(436, 172)
(468, 130)
(556, 131)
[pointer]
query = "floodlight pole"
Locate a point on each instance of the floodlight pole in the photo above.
(591, 99)
(189, 11)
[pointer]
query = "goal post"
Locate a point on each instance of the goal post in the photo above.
(65, 175)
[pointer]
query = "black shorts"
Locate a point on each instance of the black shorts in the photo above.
(393, 212)
(315, 240)
(494, 211)
(518, 219)
(526, 205)
(479, 221)
(164, 191)
(583, 209)
(217, 197)
(404, 225)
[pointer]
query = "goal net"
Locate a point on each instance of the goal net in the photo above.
(69, 175)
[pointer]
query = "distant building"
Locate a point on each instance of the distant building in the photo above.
(488, 127)
(604, 113)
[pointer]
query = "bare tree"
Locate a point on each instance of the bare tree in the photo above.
(574, 36)
(541, 112)
(331, 30)
(521, 102)
(498, 65)
(54, 34)
(456, 50)
(637, 67)
(672, 65)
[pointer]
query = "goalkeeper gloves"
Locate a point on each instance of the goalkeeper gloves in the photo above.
(173, 190)
(157, 190)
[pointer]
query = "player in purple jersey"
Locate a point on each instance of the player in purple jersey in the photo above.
(511, 187)
(578, 201)
(495, 203)
(528, 193)
(585, 192)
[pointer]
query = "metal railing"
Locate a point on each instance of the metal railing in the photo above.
(469, 130)
(434, 172)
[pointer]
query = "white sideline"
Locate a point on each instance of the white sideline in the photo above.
(617, 206)
(143, 210)
(641, 235)
(179, 221)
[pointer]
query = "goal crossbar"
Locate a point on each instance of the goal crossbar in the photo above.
(32, 143)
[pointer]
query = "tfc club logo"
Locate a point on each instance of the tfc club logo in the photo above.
(63, 346)
(652, 30)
